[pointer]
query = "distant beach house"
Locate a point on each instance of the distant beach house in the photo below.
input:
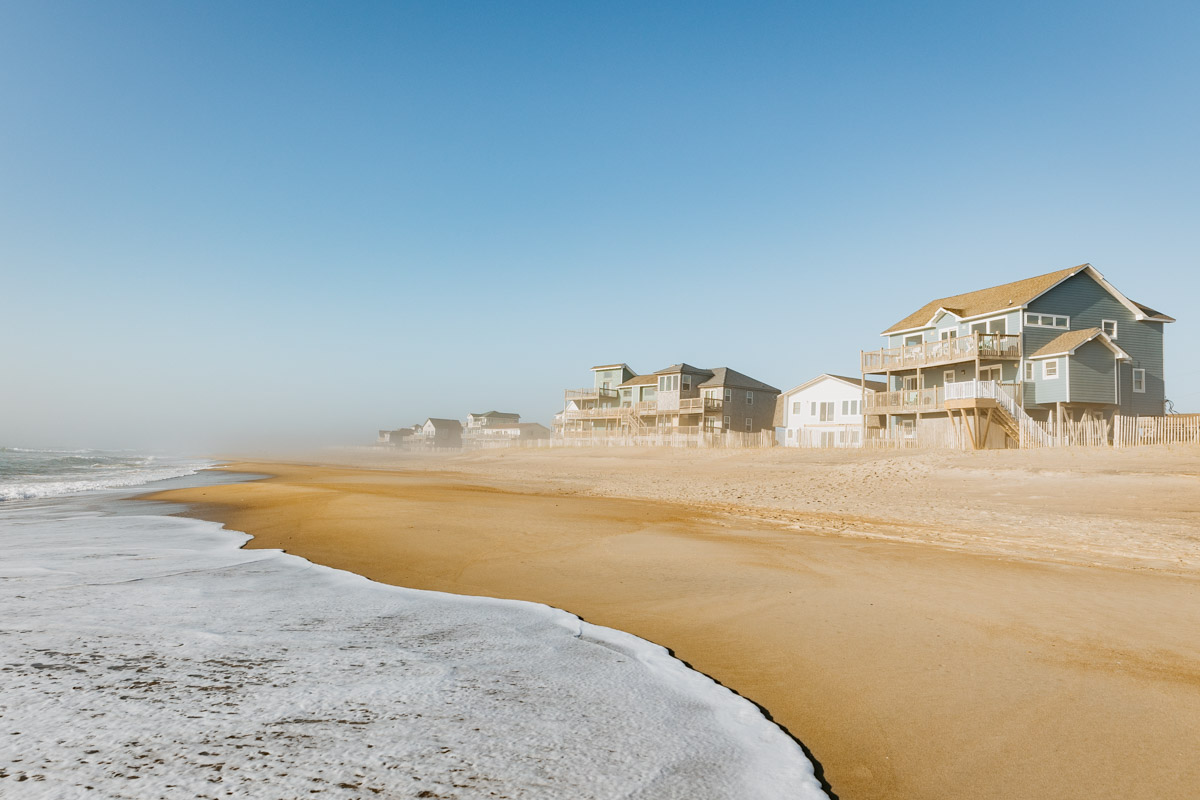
(505, 435)
(395, 438)
(679, 399)
(491, 419)
(824, 412)
(977, 367)
(441, 433)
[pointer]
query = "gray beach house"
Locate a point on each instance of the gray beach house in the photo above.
(679, 399)
(1064, 346)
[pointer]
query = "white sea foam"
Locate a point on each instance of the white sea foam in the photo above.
(33, 474)
(148, 656)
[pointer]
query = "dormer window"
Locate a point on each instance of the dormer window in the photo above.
(1110, 327)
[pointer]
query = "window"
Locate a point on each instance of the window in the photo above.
(949, 333)
(845, 407)
(729, 395)
(687, 382)
(812, 409)
(914, 339)
(1050, 368)
(910, 383)
(749, 422)
(854, 406)
(668, 383)
(1110, 327)
(726, 419)
(1139, 381)
(1028, 370)
(827, 411)
(790, 433)
(948, 376)
(749, 398)
(998, 326)
(1047, 321)
(796, 407)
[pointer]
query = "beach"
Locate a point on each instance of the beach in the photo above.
(929, 625)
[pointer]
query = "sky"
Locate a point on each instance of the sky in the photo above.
(229, 222)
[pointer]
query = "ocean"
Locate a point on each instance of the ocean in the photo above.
(145, 655)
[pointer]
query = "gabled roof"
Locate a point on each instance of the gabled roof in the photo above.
(1152, 315)
(444, 423)
(639, 380)
(1017, 294)
(997, 298)
(724, 376)
(498, 414)
(682, 367)
(872, 386)
(612, 366)
(1069, 342)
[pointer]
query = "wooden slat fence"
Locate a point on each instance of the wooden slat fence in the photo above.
(1167, 429)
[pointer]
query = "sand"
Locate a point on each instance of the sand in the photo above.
(993, 625)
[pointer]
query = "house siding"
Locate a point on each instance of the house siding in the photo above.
(1088, 304)
(1093, 374)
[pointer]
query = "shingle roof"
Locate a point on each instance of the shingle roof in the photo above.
(1152, 313)
(497, 414)
(640, 380)
(681, 367)
(611, 366)
(878, 386)
(445, 423)
(724, 376)
(997, 298)
(874, 386)
(1069, 341)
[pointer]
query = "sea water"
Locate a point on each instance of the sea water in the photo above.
(144, 655)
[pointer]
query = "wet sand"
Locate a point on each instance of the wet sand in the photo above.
(914, 660)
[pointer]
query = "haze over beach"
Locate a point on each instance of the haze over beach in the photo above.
(299, 494)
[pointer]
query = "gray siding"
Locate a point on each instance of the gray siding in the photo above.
(1093, 374)
(1088, 304)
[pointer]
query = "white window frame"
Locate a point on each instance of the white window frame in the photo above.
(1029, 374)
(947, 376)
(845, 408)
(687, 382)
(749, 398)
(1035, 320)
(1046, 372)
(729, 395)
(1139, 373)
(854, 407)
(1106, 322)
(725, 419)
(749, 423)
(812, 408)
(948, 333)
(797, 405)
(832, 410)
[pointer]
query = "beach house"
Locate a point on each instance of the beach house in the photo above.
(825, 411)
(998, 366)
(440, 433)
(491, 419)
(679, 399)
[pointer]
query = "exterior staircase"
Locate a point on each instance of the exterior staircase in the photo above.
(1007, 413)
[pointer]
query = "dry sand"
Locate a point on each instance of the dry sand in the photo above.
(991, 625)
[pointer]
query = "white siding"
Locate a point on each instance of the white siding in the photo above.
(806, 429)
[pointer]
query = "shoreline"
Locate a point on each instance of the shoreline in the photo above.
(906, 670)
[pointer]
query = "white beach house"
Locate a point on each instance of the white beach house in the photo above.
(825, 412)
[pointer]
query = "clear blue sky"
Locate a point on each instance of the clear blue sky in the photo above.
(220, 219)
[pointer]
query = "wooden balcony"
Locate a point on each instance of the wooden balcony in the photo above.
(988, 346)
(939, 398)
(590, 394)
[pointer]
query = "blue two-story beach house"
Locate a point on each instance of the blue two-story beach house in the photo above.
(1032, 354)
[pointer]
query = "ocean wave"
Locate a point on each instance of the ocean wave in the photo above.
(33, 487)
